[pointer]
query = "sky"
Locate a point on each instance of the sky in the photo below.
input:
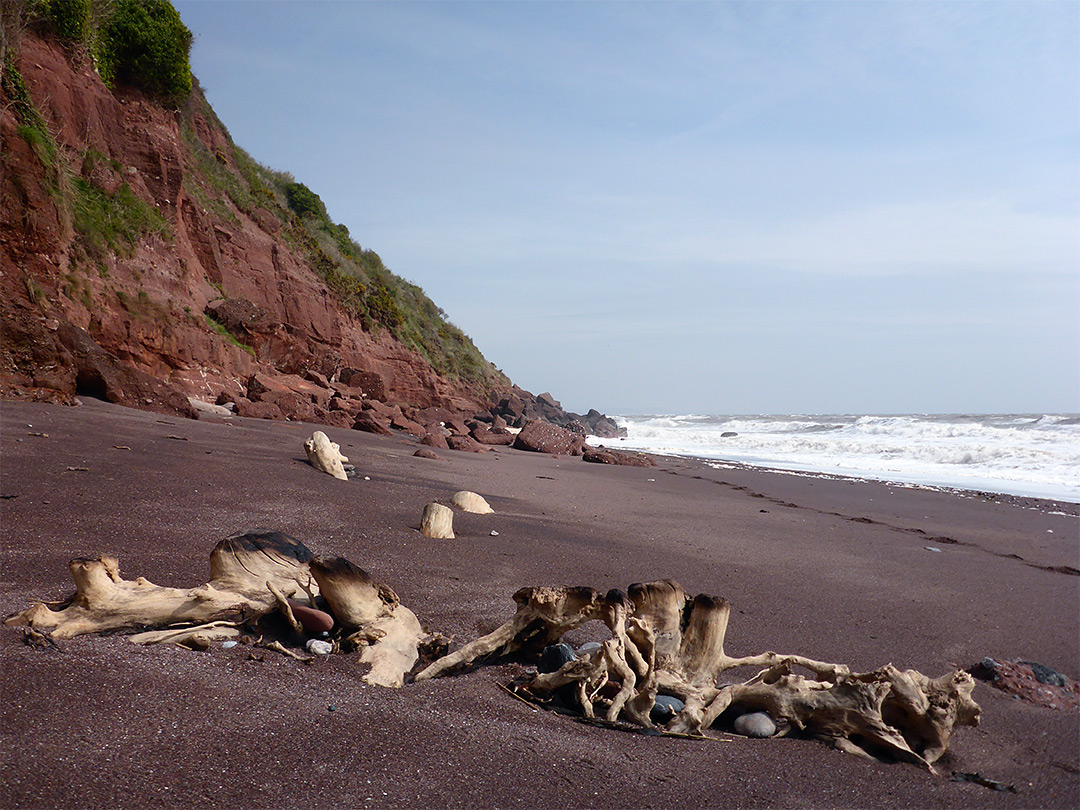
(697, 207)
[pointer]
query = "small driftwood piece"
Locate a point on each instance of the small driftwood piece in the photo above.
(437, 522)
(663, 641)
(325, 455)
(471, 502)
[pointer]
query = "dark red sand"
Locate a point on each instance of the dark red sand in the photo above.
(836, 570)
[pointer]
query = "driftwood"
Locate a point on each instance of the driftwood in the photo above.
(325, 455)
(253, 575)
(664, 641)
(437, 522)
(471, 502)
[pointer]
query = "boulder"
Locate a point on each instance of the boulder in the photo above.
(369, 423)
(539, 436)
(432, 439)
(259, 410)
(426, 452)
(407, 425)
(465, 444)
(492, 436)
(601, 455)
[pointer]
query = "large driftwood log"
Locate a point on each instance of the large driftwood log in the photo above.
(663, 641)
(240, 568)
(251, 575)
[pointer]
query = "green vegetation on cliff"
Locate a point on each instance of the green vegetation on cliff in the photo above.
(144, 44)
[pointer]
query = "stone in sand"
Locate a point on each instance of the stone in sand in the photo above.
(755, 724)
(471, 502)
(437, 522)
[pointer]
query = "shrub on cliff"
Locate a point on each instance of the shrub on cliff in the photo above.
(69, 19)
(302, 200)
(145, 44)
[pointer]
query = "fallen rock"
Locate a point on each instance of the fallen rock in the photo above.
(539, 436)
(601, 455)
(424, 452)
(492, 436)
(465, 444)
(409, 426)
(435, 439)
(259, 410)
(369, 423)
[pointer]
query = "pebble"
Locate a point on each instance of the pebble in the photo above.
(755, 724)
(665, 708)
(228, 645)
(589, 647)
(931, 548)
(318, 647)
(554, 656)
(494, 533)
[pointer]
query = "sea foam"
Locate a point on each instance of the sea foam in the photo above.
(1023, 454)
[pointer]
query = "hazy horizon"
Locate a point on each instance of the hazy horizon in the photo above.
(723, 208)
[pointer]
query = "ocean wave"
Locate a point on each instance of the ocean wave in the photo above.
(1017, 452)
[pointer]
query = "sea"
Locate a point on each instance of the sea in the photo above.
(1033, 455)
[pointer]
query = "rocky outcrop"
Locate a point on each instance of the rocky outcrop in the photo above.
(601, 455)
(539, 436)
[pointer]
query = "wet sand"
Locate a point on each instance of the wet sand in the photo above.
(837, 570)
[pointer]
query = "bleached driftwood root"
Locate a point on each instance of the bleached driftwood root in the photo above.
(471, 502)
(325, 455)
(437, 522)
(664, 641)
(253, 574)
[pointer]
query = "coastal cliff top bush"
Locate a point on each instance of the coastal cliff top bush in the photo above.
(302, 200)
(144, 43)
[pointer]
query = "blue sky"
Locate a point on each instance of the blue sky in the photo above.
(705, 207)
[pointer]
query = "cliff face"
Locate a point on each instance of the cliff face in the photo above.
(123, 221)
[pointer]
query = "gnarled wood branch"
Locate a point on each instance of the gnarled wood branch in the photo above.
(663, 641)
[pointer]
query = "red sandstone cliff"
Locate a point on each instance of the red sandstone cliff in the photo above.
(143, 304)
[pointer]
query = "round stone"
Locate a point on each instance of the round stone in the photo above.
(665, 708)
(554, 656)
(755, 724)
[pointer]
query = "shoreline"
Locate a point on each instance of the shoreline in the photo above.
(1043, 504)
(840, 570)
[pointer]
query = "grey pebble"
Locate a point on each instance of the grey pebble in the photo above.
(665, 708)
(755, 724)
(554, 656)
(228, 645)
(931, 548)
(588, 647)
(318, 647)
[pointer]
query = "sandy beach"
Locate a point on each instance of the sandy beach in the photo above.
(838, 570)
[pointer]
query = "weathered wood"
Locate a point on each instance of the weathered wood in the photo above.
(437, 522)
(325, 455)
(663, 641)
